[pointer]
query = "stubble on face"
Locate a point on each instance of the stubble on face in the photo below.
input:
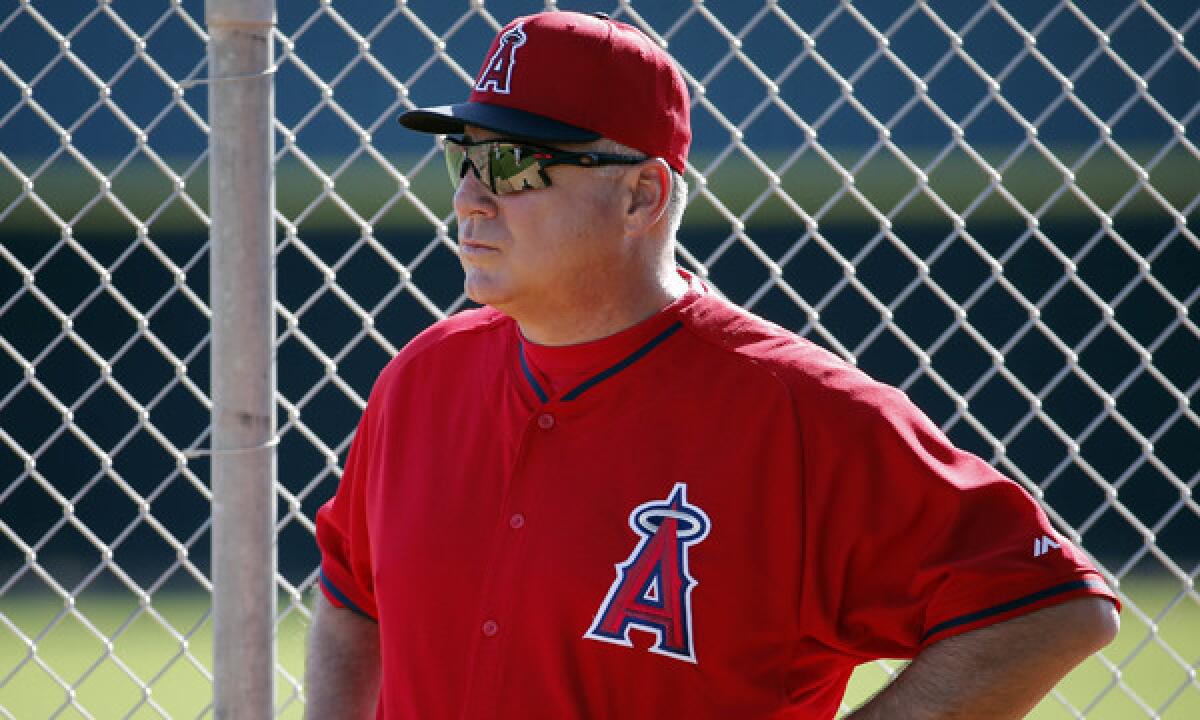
(545, 251)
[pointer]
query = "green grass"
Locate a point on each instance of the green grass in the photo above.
(370, 194)
(108, 683)
(142, 648)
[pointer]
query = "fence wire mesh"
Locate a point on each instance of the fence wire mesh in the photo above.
(990, 204)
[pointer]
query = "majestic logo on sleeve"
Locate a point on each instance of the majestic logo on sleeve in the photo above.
(653, 588)
(497, 74)
(1043, 545)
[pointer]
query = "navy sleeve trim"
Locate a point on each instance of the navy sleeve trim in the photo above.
(341, 596)
(1012, 605)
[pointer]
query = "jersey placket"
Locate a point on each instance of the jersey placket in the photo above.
(503, 585)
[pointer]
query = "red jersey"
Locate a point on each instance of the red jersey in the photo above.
(703, 516)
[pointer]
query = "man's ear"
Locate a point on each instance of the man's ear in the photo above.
(650, 192)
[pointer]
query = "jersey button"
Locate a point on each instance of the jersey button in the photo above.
(490, 628)
(545, 421)
(517, 521)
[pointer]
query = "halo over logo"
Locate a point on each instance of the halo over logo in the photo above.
(497, 74)
(653, 588)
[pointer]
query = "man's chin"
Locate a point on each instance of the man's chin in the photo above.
(486, 291)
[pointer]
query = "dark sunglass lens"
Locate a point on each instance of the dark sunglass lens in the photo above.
(456, 159)
(516, 168)
(504, 167)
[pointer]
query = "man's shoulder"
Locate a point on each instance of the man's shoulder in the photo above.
(476, 322)
(796, 363)
(449, 343)
(754, 339)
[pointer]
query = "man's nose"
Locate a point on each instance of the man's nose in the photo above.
(473, 197)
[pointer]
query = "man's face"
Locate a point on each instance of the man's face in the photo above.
(544, 250)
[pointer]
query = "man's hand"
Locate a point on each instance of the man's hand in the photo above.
(342, 671)
(997, 672)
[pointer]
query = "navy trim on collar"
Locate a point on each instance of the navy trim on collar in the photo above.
(529, 376)
(634, 357)
(603, 374)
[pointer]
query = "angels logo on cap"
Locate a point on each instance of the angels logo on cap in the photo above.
(497, 73)
(582, 77)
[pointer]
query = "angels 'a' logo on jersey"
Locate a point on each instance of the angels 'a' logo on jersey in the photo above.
(653, 588)
(497, 74)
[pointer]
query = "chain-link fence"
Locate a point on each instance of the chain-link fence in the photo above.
(990, 204)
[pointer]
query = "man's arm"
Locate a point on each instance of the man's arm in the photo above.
(341, 677)
(997, 672)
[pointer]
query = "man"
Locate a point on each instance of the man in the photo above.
(610, 494)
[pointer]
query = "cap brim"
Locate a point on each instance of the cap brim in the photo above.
(450, 119)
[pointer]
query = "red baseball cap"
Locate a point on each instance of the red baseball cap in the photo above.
(569, 77)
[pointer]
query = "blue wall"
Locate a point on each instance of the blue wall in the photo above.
(808, 90)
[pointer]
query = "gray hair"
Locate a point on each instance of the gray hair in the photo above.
(676, 203)
(677, 197)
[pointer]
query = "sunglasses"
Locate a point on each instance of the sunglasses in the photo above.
(507, 167)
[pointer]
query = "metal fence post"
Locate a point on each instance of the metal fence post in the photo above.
(242, 192)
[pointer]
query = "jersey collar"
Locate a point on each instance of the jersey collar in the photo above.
(575, 369)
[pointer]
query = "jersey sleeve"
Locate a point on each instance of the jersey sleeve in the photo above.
(342, 533)
(908, 539)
